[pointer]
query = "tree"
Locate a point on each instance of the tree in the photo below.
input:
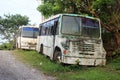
(52, 7)
(9, 25)
(109, 13)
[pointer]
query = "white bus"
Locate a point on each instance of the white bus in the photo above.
(27, 37)
(72, 39)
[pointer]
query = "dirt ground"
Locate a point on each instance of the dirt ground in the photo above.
(12, 69)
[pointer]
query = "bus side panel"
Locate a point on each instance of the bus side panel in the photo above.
(47, 42)
(50, 41)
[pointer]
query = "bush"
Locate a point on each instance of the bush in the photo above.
(109, 43)
(5, 46)
(116, 53)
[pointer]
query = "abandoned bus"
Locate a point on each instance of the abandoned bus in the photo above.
(27, 37)
(72, 39)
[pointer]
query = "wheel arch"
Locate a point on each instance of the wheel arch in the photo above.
(41, 48)
(56, 48)
(41, 45)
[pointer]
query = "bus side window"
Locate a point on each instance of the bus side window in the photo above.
(46, 31)
(55, 27)
(42, 30)
(51, 27)
(49, 31)
(50, 24)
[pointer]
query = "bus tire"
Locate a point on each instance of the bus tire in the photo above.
(57, 56)
(41, 49)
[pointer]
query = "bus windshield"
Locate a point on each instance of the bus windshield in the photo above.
(71, 25)
(80, 26)
(90, 28)
(30, 32)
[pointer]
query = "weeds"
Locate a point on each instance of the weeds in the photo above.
(70, 72)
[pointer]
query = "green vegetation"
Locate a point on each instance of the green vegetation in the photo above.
(70, 72)
(8, 46)
(9, 25)
(5, 46)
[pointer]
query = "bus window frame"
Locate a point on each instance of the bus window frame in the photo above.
(51, 29)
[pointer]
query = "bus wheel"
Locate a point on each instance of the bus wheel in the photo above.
(41, 49)
(57, 56)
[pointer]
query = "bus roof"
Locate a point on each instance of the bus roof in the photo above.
(28, 26)
(55, 16)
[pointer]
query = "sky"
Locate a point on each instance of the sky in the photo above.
(22, 7)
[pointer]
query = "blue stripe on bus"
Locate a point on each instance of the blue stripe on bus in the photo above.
(30, 29)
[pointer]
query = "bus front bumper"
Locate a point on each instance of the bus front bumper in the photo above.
(84, 61)
(29, 47)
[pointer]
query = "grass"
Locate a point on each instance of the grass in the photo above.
(70, 72)
(5, 46)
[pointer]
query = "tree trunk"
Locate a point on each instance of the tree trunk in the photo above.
(117, 39)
